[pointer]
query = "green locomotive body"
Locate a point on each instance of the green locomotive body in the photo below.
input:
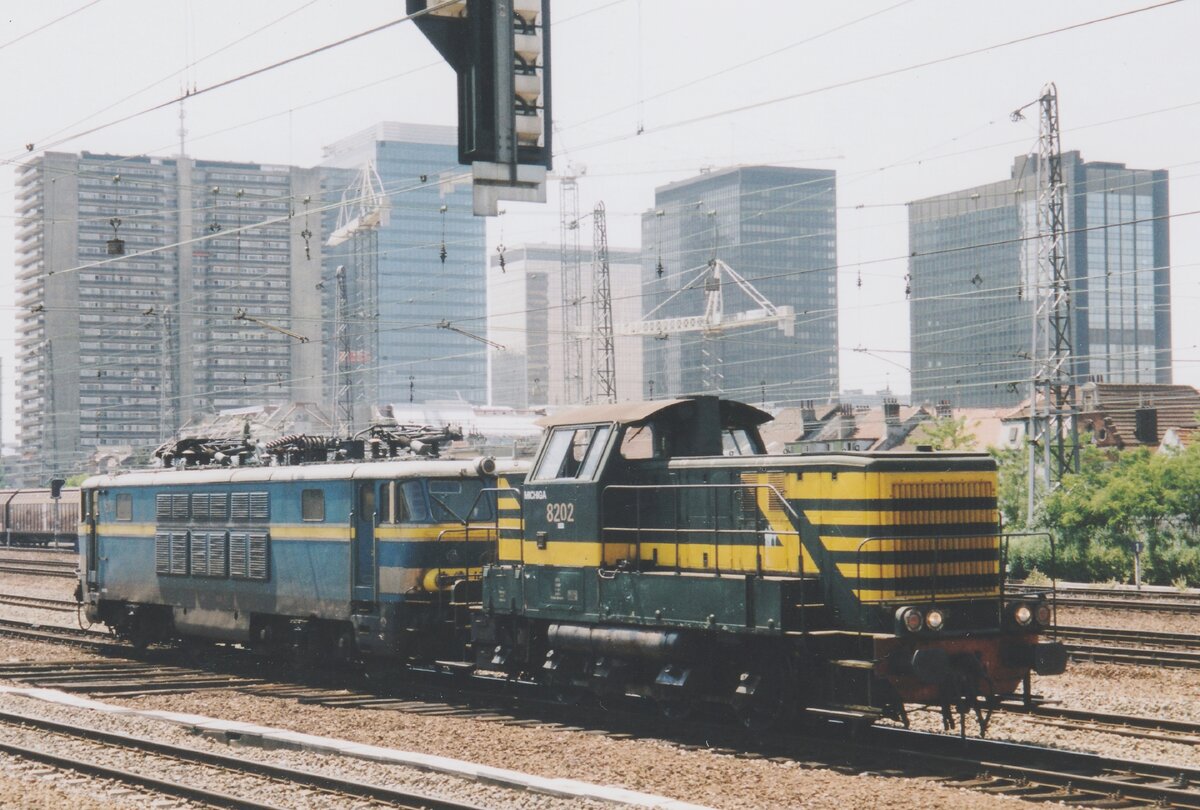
(655, 549)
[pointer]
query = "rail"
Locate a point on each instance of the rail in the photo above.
(677, 532)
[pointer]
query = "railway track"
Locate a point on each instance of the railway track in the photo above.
(1141, 637)
(52, 549)
(66, 569)
(99, 642)
(1162, 729)
(38, 602)
(1025, 771)
(1137, 647)
(184, 772)
(1040, 774)
(1158, 601)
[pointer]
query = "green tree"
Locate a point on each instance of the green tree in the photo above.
(947, 433)
(1133, 496)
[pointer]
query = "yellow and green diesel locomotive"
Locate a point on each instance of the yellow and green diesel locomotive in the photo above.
(655, 548)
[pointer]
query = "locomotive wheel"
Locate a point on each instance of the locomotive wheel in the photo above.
(772, 702)
(133, 628)
(677, 708)
(345, 650)
(762, 712)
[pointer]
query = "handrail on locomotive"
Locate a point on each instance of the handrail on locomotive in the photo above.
(935, 567)
(677, 532)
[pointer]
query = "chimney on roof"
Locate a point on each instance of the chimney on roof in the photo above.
(1145, 427)
(943, 410)
(891, 412)
(808, 414)
(846, 426)
(896, 431)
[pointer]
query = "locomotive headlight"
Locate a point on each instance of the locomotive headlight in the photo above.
(1044, 614)
(911, 618)
(1022, 614)
(934, 619)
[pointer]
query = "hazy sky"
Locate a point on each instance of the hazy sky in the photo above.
(683, 71)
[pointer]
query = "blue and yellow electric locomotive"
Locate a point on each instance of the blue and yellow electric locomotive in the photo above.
(345, 559)
(663, 553)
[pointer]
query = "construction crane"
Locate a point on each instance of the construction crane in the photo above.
(363, 208)
(571, 304)
(362, 212)
(712, 278)
(714, 323)
(343, 382)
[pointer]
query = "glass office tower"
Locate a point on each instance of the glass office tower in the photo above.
(777, 228)
(973, 253)
(400, 349)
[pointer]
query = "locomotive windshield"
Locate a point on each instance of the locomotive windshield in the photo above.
(572, 452)
(439, 500)
(739, 442)
(459, 500)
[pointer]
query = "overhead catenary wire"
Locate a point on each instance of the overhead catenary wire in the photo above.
(249, 74)
(191, 63)
(44, 26)
(878, 75)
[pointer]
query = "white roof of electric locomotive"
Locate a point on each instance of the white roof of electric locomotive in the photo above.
(365, 470)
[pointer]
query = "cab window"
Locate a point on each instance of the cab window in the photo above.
(638, 443)
(385, 503)
(572, 452)
(396, 505)
(124, 506)
(738, 442)
(312, 504)
(366, 502)
(453, 499)
(410, 504)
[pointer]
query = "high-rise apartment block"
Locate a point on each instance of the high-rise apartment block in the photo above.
(777, 228)
(154, 292)
(525, 308)
(973, 261)
(146, 298)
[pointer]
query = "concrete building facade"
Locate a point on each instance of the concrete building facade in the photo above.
(524, 316)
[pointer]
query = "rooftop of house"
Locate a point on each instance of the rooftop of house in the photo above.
(1109, 411)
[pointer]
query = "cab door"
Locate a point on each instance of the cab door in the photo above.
(562, 498)
(363, 542)
(91, 549)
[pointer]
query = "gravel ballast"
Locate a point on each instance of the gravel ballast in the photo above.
(694, 775)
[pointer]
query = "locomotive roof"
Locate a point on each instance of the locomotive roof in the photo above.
(407, 468)
(733, 413)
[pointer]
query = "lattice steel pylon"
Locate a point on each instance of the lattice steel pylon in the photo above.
(571, 305)
(343, 385)
(604, 361)
(1053, 425)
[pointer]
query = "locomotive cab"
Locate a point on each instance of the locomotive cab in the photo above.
(594, 465)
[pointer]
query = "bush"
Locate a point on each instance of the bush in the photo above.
(1172, 562)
